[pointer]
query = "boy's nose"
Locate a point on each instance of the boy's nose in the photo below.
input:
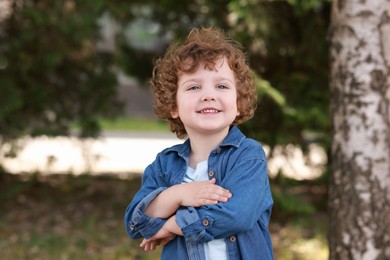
(208, 98)
(208, 92)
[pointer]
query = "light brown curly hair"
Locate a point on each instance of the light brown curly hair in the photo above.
(206, 45)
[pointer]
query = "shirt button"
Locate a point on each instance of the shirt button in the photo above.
(205, 222)
(211, 173)
(131, 227)
(232, 239)
(219, 150)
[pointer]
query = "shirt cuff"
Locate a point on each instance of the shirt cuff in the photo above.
(193, 227)
(146, 225)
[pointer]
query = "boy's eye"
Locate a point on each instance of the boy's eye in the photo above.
(222, 86)
(193, 87)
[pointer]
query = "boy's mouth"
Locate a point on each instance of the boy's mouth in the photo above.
(209, 111)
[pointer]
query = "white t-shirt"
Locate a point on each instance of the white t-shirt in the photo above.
(215, 249)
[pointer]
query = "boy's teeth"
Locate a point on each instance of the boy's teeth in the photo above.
(209, 111)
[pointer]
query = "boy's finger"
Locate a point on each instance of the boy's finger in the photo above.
(143, 243)
(213, 180)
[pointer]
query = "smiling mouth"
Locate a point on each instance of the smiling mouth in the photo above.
(209, 111)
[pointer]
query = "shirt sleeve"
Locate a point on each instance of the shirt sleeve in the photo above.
(250, 204)
(136, 222)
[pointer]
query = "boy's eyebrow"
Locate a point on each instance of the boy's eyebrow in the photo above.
(189, 80)
(197, 79)
(224, 78)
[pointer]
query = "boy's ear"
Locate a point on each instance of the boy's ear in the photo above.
(175, 113)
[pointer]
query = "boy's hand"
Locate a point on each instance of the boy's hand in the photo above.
(149, 245)
(200, 193)
(194, 194)
(162, 237)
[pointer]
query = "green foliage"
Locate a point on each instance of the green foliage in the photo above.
(51, 72)
(264, 88)
(290, 205)
(286, 43)
(286, 46)
(14, 190)
(293, 198)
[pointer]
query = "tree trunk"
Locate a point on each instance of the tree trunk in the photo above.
(359, 192)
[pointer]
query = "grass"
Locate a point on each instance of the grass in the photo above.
(134, 124)
(67, 217)
(81, 217)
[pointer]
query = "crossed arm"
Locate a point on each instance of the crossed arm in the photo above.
(165, 205)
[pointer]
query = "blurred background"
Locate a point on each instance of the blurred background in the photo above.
(77, 126)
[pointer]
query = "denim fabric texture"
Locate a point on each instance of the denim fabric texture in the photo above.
(239, 165)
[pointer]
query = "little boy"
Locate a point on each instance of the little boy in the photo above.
(208, 198)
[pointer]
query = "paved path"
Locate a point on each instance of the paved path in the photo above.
(115, 152)
(124, 153)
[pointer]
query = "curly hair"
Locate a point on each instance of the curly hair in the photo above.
(205, 45)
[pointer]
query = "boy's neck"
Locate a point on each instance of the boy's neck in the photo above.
(202, 145)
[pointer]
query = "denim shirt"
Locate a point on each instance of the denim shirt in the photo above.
(239, 165)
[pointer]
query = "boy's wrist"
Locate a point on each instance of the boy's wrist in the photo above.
(175, 194)
(172, 227)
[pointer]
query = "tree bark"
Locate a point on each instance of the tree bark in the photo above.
(359, 191)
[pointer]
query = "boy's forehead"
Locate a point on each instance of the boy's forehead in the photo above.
(210, 64)
(220, 66)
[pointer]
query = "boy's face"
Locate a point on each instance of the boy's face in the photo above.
(207, 99)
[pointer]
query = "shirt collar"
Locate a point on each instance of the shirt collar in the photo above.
(234, 138)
